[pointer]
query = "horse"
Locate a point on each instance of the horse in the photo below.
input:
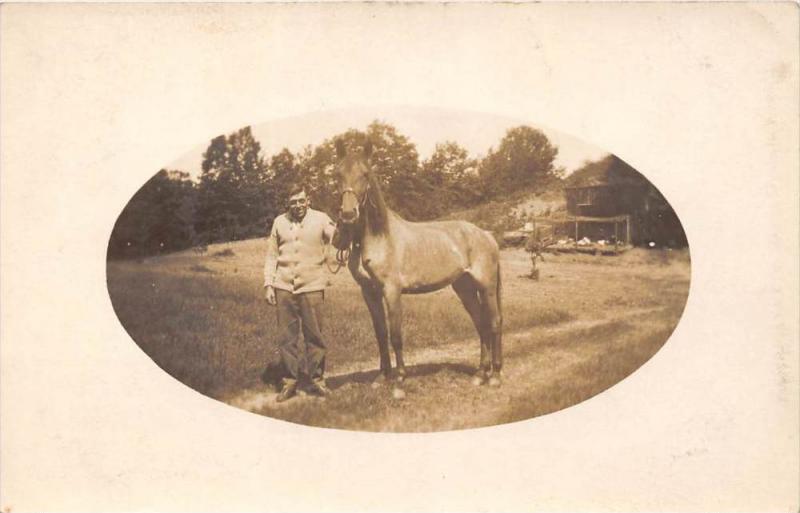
(390, 256)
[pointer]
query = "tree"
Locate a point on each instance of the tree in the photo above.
(158, 218)
(453, 174)
(396, 163)
(393, 154)
(315, 167)
(233, 195)
(524, 159)
(283, 172)
(394, 160)
(448, 164)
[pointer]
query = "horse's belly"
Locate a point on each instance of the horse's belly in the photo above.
(431, 283)
(422, 289)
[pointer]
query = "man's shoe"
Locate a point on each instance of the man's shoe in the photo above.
(287, 392)
(319, 387)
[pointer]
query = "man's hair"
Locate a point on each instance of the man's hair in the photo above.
(297, 188)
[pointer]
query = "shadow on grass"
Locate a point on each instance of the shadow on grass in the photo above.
(274, 373)
(412, 371)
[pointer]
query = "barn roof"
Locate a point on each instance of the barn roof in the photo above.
(610, 170)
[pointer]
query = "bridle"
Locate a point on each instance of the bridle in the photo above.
(343, 255)
(362, 202)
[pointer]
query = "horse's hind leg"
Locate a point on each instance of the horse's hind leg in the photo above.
(468, 294)
(493, 323)
(374, 302)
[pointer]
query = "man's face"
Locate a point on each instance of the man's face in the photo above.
(298, 205)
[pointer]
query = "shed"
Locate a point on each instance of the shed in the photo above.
(605, 195)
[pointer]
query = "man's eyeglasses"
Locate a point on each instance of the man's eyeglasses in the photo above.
(298, 201)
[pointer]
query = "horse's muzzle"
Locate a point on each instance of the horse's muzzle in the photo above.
(349, 216)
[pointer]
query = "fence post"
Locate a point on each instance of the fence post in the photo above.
(628, 229)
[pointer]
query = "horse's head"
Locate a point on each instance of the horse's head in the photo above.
(353, 178)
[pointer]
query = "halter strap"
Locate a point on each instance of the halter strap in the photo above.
(360, 201)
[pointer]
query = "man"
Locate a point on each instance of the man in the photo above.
(295, 283)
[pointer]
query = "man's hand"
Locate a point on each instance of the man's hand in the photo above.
(269, 295)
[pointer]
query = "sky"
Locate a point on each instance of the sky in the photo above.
(425, 127)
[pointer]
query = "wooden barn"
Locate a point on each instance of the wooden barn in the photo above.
(609, 200)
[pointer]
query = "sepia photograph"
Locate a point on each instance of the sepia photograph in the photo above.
(429, 270)
(399, 257)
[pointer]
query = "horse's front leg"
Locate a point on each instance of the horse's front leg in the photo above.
(374, 301)
(394, 313)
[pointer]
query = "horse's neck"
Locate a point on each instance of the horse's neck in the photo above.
(376, 212)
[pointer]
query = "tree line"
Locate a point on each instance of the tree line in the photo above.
(240, 192)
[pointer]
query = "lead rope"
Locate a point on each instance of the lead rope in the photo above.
(342, 256)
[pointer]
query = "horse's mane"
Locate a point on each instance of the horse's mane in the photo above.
(378, 213)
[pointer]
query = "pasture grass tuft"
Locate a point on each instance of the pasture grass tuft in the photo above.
(228, 252)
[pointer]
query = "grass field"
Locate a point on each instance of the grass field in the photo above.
(584, 326)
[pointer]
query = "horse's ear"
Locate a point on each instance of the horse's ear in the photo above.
(341, 149)
(368, 148)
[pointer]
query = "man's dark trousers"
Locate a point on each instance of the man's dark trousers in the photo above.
(296, 313)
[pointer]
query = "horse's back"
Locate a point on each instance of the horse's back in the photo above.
(463, 233)
(471, 236)
(459, 245)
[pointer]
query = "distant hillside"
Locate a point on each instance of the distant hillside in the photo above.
(512, 212)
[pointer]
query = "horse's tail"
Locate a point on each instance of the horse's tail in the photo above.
(499, 291)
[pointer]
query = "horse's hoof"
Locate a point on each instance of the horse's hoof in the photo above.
(478, 380)
(398, 393)
(495, 381)
(379, 381)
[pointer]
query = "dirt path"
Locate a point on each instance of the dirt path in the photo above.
(535, 366)
(466, 351)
